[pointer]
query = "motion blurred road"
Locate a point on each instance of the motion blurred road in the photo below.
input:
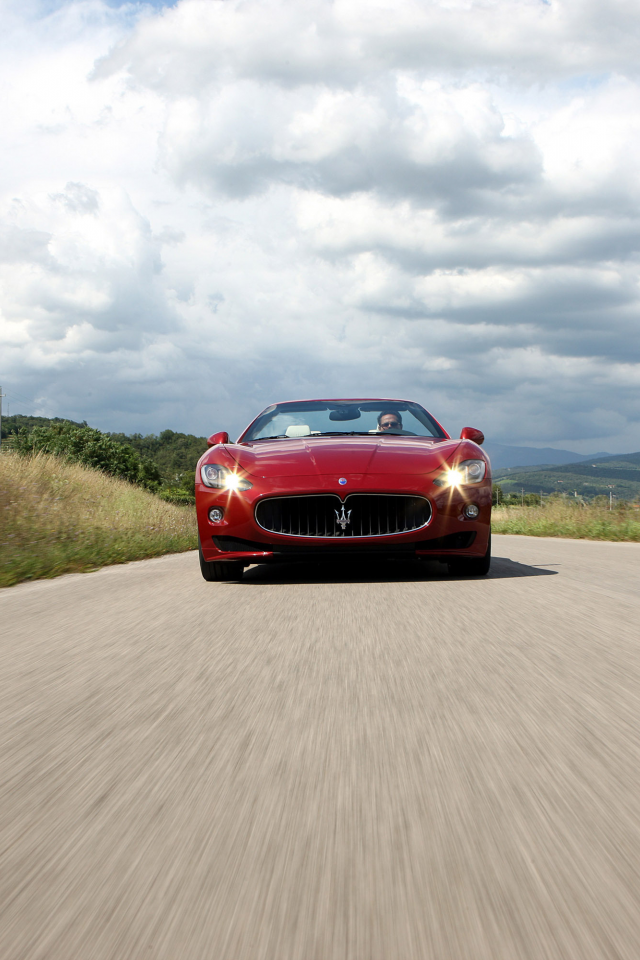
(377, 763)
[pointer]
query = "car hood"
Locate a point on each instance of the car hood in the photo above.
(353, 455)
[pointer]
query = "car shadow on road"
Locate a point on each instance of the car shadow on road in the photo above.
(392, 571)
(502, 568)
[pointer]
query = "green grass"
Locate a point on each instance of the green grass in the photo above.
(58, 517)
(566, 519)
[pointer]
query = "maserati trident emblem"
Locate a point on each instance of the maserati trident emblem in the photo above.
(343, 518)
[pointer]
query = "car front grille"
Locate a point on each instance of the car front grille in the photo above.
(325, 516)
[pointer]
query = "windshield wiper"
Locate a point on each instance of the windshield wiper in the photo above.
(343, 433)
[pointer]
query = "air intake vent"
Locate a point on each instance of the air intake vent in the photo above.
(360, 515)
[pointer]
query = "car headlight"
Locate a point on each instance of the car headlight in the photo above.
(469, 471)
(215, 475)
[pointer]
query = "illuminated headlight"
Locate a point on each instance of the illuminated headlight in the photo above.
(469, 471)
(214, 475)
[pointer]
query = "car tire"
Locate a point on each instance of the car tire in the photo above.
(478, 567)
(214, 571)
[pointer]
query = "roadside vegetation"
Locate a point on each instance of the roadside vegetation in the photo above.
(569, 517)
(164, 463)
(58, 516)
(175, 456)
(92, 448)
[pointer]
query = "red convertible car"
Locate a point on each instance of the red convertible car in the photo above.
(321, 479)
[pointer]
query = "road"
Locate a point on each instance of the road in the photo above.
(360, 764)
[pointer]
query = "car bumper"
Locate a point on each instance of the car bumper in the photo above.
(448, 533)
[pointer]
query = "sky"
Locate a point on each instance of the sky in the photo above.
(211, 205)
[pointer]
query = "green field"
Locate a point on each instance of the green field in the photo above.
(618, 475)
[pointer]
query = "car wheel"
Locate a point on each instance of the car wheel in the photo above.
(225, 570)
(478, 567)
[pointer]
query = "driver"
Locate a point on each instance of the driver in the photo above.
(390, 421)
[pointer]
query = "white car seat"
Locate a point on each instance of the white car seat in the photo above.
(298, 430)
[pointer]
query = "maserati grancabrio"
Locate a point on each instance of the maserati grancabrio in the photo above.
(313, 480)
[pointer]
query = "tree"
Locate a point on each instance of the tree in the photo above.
(92, 448)
(18, 421)
(176, 454)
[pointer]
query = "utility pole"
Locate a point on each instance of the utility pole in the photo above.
(1, 396)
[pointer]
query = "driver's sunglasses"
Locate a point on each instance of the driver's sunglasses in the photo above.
(392, 423)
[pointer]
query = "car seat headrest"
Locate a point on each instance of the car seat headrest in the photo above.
(298, 430)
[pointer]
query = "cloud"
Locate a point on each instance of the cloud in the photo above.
(348, 42)
(78, 198)
(219, 203)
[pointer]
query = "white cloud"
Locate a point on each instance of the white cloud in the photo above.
(227, 202)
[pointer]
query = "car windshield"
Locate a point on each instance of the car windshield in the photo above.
(317, 418)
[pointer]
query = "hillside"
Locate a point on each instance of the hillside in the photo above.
(618, 474)
(58, 517)
(174, 454)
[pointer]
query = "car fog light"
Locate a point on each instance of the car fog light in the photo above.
(215, 514)
(471, 511)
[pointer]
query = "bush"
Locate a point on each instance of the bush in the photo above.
(91, 448)
(172, 495)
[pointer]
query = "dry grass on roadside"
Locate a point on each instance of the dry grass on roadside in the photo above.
(566, 519)
(58, 517)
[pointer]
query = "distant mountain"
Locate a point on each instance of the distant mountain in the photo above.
(503, 456)
(618, 475)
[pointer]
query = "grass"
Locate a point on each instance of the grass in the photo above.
(58, 517)
(563, 518)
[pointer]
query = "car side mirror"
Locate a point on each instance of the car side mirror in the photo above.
(217, 438)
(470, 433)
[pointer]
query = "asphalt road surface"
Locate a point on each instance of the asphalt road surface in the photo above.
(373, 763)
